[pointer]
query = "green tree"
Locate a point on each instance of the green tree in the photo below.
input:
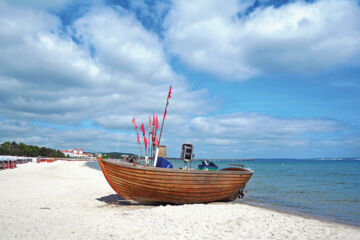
(22, 149)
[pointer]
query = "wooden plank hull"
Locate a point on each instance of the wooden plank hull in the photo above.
(160, 185)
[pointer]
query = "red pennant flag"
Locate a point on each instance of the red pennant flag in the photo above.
(149, 129)
(153, 119)
(165, 113)
(145, 142)
(156, 122)
(138, 138)
(153, 134)
(142, 129)
(156, 141)
(169, 96)
(133, 121)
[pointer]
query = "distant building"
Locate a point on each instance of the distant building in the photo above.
(75, 153)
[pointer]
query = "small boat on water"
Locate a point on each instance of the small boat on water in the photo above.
(159, 182)
(207, 165)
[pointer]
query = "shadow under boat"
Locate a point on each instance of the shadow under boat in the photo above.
(116, 201)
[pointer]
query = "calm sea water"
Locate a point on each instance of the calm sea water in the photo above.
(322, 188)
(327, 189)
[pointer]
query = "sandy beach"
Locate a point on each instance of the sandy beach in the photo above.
(68, 200)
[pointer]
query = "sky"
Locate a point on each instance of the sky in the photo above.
(250, 78)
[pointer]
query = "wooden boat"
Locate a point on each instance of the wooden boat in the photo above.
(176, 186)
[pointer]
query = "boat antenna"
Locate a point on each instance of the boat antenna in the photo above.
(167, 103)
(152, 136)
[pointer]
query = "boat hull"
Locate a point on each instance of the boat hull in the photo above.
(159, 185)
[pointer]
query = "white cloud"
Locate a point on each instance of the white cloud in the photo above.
(114, 70)
(252, 135)
(259, 126)
(123, 45)
(232, 135)
(296, 37)
(106, 67)
(118, 69)
(95, 140)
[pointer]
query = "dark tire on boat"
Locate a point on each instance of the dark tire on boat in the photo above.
(241, 193)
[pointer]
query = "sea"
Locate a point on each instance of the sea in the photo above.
(324, 189)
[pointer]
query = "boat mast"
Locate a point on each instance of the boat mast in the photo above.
(167, 103)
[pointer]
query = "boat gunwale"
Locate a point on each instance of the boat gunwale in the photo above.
(173, 170)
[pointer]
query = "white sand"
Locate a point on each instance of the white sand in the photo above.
(60, 201)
